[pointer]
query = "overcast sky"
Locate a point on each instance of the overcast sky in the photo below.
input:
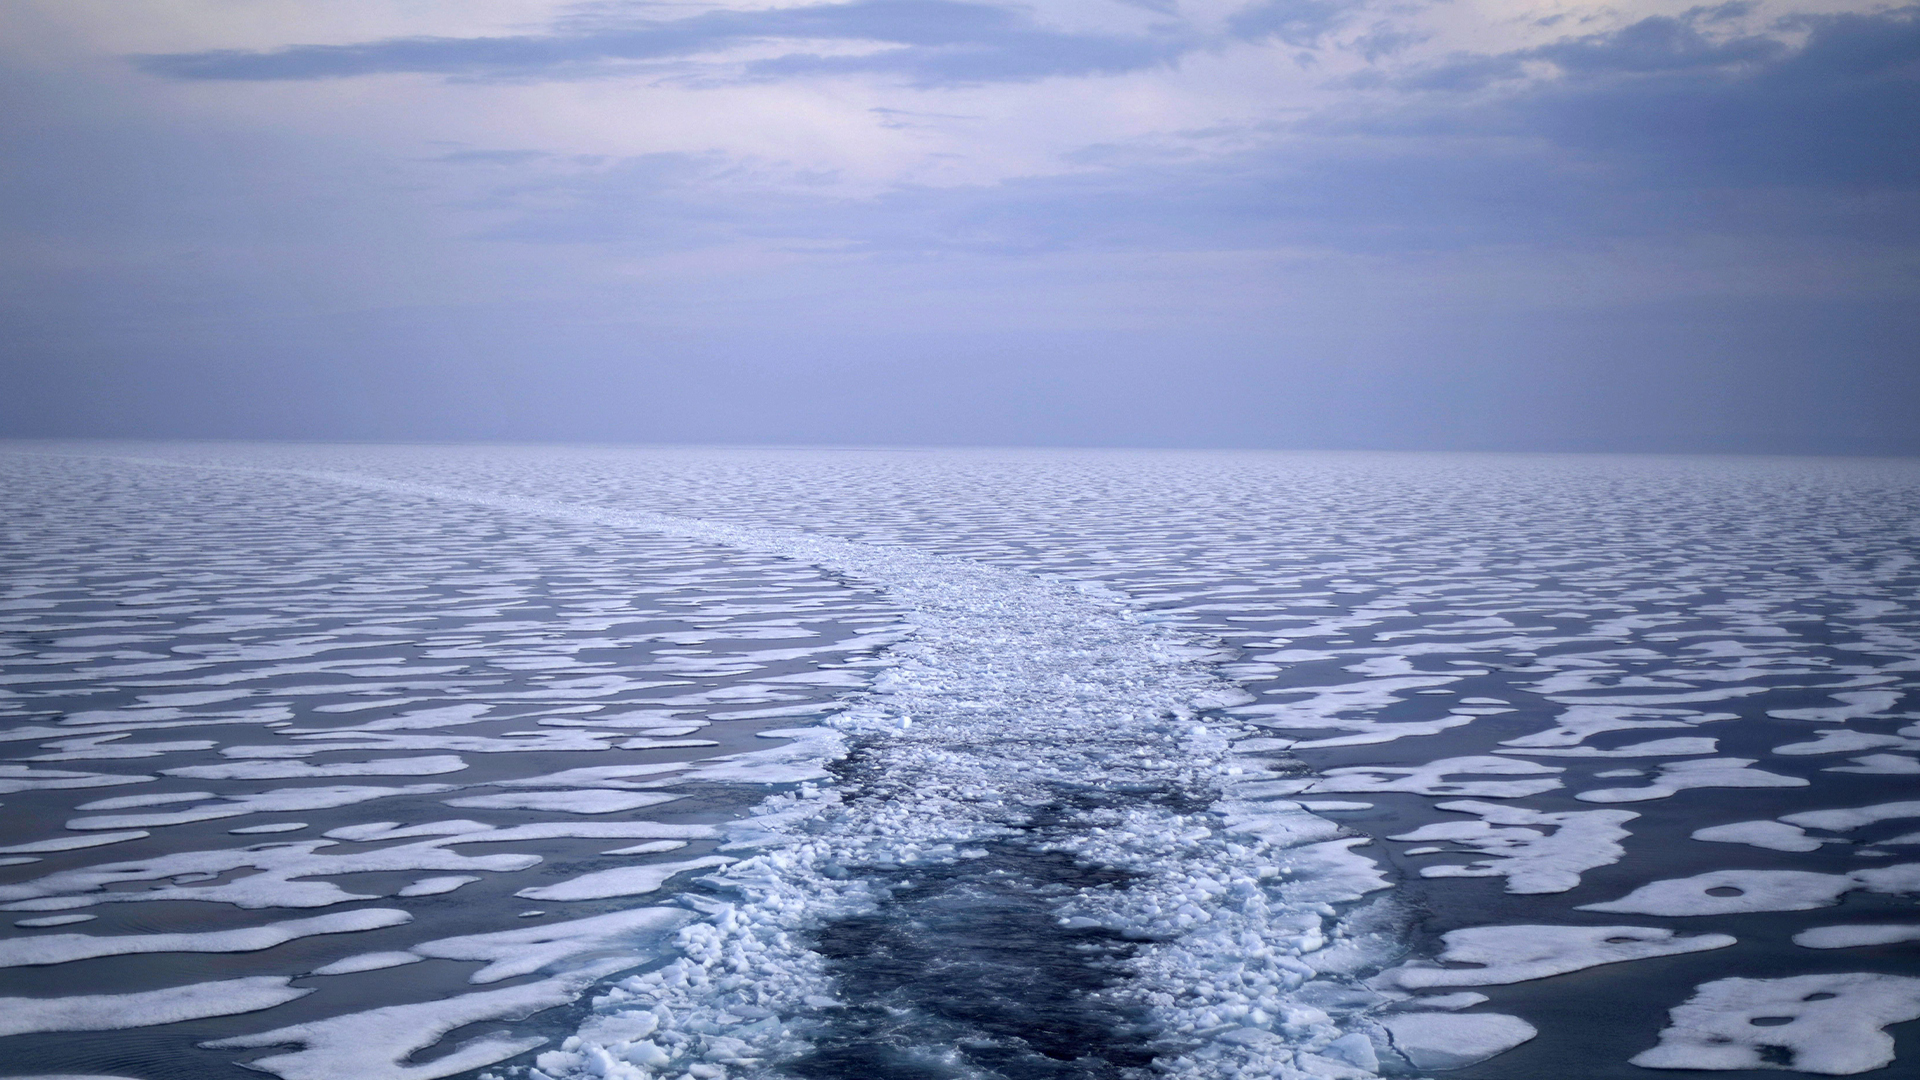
(1477, 224)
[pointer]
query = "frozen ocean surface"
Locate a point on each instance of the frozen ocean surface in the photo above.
(421, 762)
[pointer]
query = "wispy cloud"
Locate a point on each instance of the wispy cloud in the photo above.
(925, 42)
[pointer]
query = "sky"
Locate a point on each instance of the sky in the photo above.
(1371, 224)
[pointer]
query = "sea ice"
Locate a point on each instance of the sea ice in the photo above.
(1725, 892)
(1678, 776)
(620, 881)
(112, 1012)
(1654, 748)
(1854, 935)
(1848, 820)
(1433, 778)
(576, 801)
(288, 770)
(1449, 1040)
(375, 1045)
(367, 962)
(434, 886)
(1880, 765)
(279, 800)
(61, 948)
(73, 843)
(1511, 954)
(519, 952)
(1827, 1024)
(1531, 859)
(1765, 834)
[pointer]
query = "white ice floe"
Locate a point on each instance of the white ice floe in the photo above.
(1775, 835)
(113, 1012)
(269, 828)
(651, 847)
(279, 800)
(620, 881)
(1575, 724)
(434, 886)
(462, 831)
(1511, 954)
(559, 946)
(1522, 849)
(375, 1045)
(1851, 819)
(1450, 1040)
(61, 948)
(1678, 776)
(377, 961)
(132, 802)
(73, 843)
(280, 882)
(600, 776)
(1847, 740)
(1827, 1024)
(1854, 935)
(576, 801)
(53, 920)
(1859, 704)
(289, 770)
(1880, 765)
(14, 778)
(1429, 778)
(1678, 747)
(1724, 892)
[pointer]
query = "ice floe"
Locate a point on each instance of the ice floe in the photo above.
(1431, 778)
(1678, 776)
(1726, 892)
(1536, 851)
(375, 1044)
(1833, 1025)
(60, 948)
(1775, 835)
(1496, 955)
(1449, 1040)
(1855, 935)
(113, 1012)
(620, 880)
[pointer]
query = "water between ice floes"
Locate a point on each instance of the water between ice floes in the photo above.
(1089, 723)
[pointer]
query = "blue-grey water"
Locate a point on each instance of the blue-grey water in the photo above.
(418, 762)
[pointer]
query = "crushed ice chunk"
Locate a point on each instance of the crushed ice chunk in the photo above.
(1449, 1040)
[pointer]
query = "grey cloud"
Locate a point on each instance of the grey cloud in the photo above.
(1661, 104)
(1627, 147)
(1300, 23)
(1656, 44)
(939, 41)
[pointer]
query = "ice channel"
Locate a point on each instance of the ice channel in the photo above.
(1027, 850)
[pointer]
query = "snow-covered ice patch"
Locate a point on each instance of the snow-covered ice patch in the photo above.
(1497, 955)
(1450, 1040)
(1833, 1025)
